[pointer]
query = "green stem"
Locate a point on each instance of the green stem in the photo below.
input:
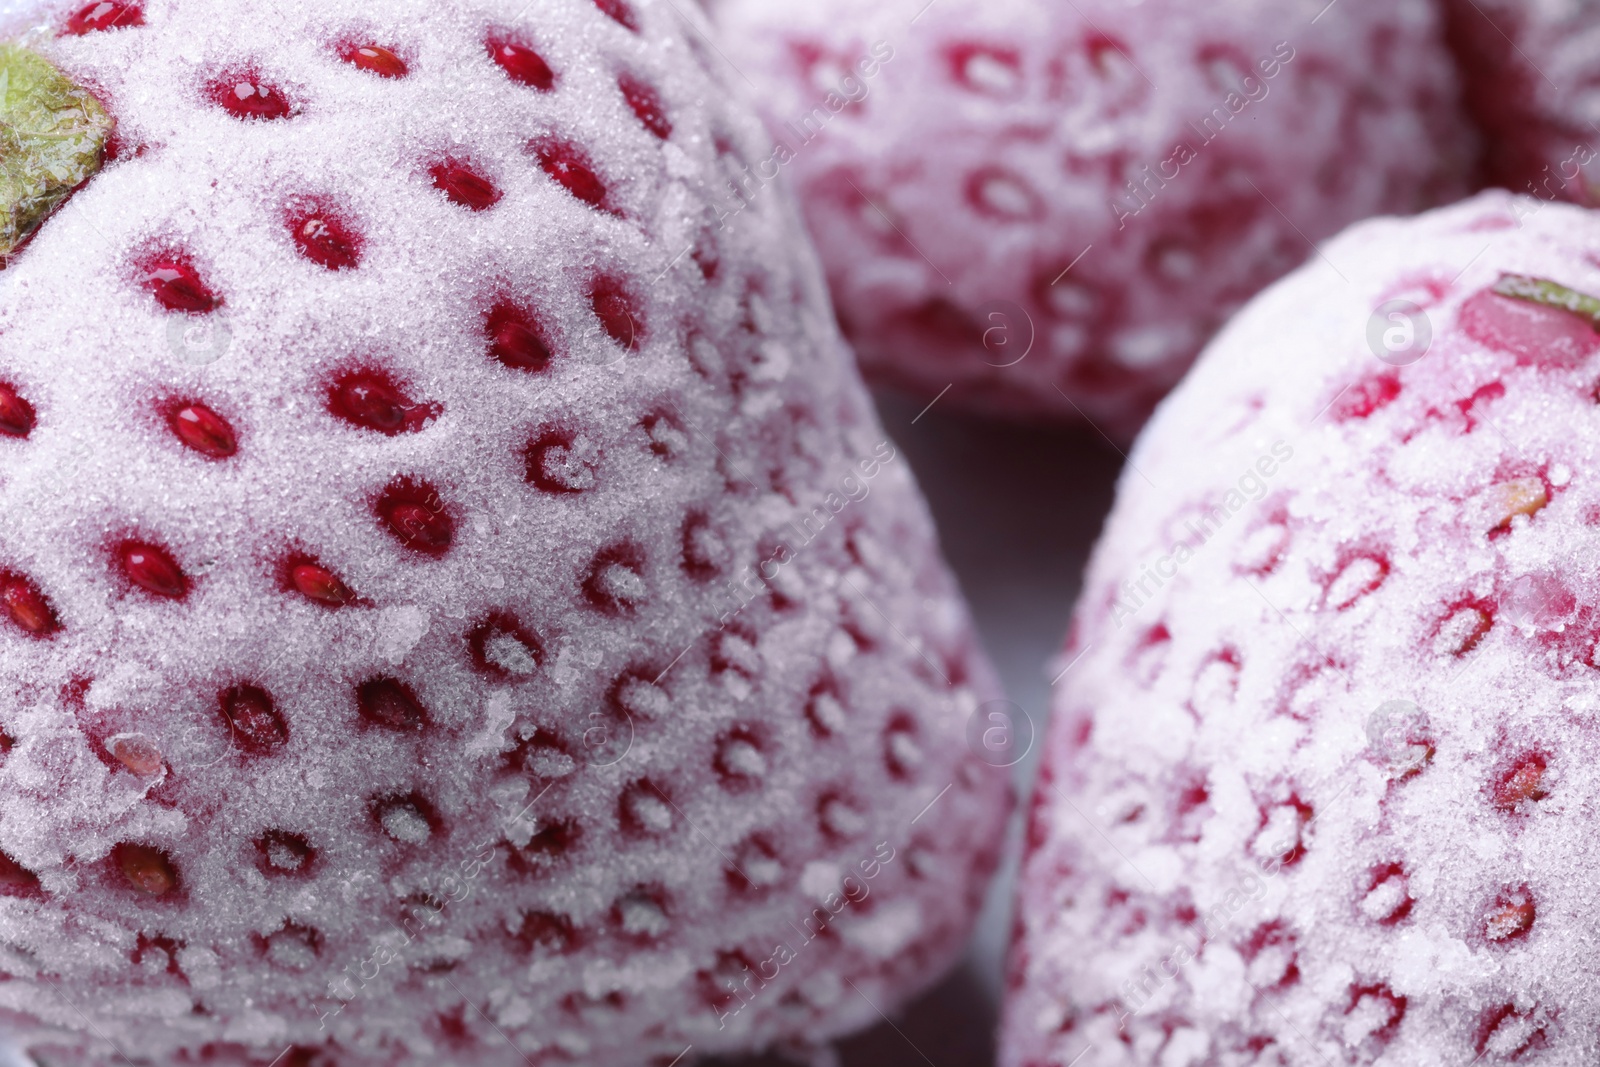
(1550, 294)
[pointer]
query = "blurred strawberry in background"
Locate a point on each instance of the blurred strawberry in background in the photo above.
(1049, 208)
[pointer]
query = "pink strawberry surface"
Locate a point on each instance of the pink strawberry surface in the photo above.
(1320, 785)
(956, 159)
(458, 604)
(1530, 78)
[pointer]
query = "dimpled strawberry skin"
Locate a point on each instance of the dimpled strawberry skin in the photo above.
(456, 602)
(1321, 787)
(995, 145)
(1528, 77)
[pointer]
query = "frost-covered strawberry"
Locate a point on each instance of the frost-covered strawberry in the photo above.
(1530, 78)
(456, 603)
(1051, 206)
(1321, 785)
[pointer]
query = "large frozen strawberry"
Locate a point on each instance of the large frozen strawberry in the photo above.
(1321, 786)
(1530, 76)
(458, 605)
(1049, 207)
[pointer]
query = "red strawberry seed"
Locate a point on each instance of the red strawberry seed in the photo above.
(502, 647)
(415, 515)
(620, 11)
(151, 568)
(521, 63)
(318, 584)
(245, 96)
(256, 724)
(646, 105)
(16, 414)
(325, 239)
(147, 869)
(204, 431)
(104, 15)
(283, 853)
(1511, 916)
(614, 307)
(465, 187)
(26, 606)
(371, 400)
(515, 340)
(375, 59)
(391, 704)
(177, 286)
(571, 169)
(1524, 782)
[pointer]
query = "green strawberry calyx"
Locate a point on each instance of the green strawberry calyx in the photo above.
(53, 135)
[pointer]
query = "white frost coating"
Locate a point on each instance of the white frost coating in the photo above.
(399, 630)
(556, 844)
(820, 879)
(997, 141)
(888, 931)
(15, 14)
(1331, 818)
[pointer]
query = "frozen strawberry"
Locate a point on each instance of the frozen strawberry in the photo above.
(1321, 779)
(1050, 207)
(456, 603)
(1529, 77)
